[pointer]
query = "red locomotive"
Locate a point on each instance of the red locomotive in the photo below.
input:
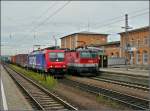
(48, 60)
(82, 61)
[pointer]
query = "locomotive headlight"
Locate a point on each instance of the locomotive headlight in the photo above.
(51, 66)
(64, 66)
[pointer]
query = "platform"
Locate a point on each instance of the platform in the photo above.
(11, 96)
(136, 72)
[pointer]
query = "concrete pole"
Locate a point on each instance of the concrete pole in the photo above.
(149, 59)
(126, 39)
(126, 32)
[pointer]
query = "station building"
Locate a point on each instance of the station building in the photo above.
(136, 46)
(111, 49)
(75, 40)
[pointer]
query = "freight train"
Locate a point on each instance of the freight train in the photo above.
(50, 60)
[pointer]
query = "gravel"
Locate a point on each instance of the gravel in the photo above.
(123, 89)
(83, 100)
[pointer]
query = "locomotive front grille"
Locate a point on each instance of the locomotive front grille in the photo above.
(83, 65)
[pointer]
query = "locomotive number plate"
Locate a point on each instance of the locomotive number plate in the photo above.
(90, 61)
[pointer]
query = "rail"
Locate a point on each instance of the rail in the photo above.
(122, 83)
(132, 101)
(43, 99)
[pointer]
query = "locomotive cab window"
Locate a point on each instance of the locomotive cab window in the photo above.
(88, 54)
(56, 56)
(94, 54)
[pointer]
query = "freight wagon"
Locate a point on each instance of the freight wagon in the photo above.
(21, 60)
(13, 59)
(82, 61)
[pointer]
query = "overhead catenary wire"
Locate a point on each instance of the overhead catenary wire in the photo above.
(80, 24)
(117, 21)
(35, 19)
(133, 16)
(50, 16)
(120, 17)
(105, 24)
(112, 31)
(46, 11)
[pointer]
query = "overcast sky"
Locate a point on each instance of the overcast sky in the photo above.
(28, 23)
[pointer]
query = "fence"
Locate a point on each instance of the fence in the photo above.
(116, 61)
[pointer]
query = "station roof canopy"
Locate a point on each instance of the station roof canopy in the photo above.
(85, 33)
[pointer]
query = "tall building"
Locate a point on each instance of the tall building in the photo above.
(138, 45)
(75, 40)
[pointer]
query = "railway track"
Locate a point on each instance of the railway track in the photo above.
(132, 79)
(129, 100)
(42, 98)
(122, 83)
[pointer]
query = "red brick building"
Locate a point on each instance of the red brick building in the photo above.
(82, 38)
(138, 42)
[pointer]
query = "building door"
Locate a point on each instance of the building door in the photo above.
(145, 57)
(137, 57)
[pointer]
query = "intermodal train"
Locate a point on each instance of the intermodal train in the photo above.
(50, 60)
(82, 61)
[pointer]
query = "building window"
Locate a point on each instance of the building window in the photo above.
(132, 42)
(138, 57)
(145, 57)
(146, 41)
(138, 43)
